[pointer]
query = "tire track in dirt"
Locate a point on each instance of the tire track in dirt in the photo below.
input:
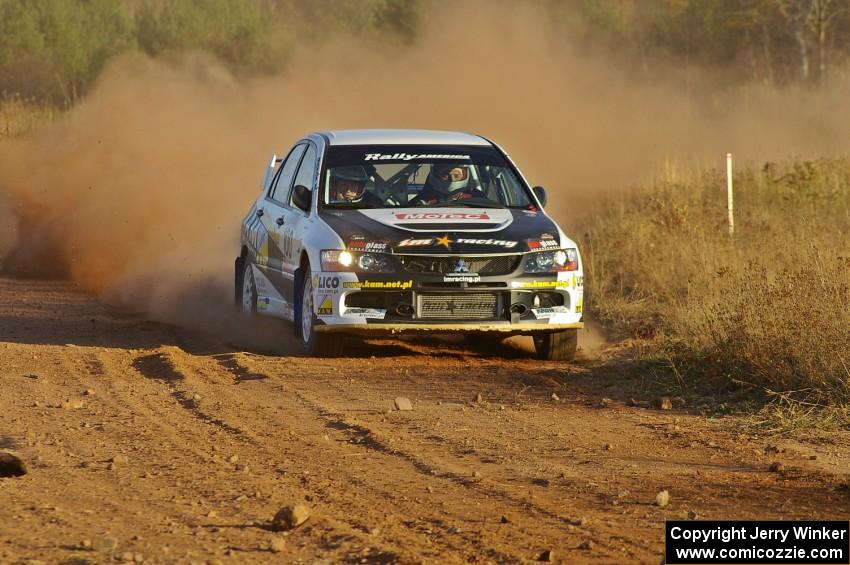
(164, 366)
(628, 481)
(174, 364)
(442, 471)
(317, 421)
(263, 449)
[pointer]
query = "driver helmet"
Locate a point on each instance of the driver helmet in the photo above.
(448, 178)
(348, 183)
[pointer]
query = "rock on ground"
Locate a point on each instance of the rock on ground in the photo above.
(277, 545)
(402, 403)
(11, 466)
(291, 516)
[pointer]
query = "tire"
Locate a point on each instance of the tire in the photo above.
(248, 292)
(315, 344)
(559, 345)
(237, 281)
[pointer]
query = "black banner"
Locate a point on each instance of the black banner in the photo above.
(757, 542)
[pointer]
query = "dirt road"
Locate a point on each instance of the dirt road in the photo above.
(150, 442)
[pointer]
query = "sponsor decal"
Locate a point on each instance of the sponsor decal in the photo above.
(497, 242)
(445, 241)
(368, 246)
(378, 284)
(442, 216)
(544, 313)
(263, 251)
(547, 236)
(326, 308)
(542, 244)
(540, 284)
(326, 284)
(579, 304)
(409, 156)
(460, 266)
(462, 277)
(461, 305)
(460, 273)
(263, 304)
(571, 280)
(415, 242)
(367, 313)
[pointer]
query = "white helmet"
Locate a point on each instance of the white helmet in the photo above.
(448, 178)
(348, 184)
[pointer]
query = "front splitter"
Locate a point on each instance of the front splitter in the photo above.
(505, 327)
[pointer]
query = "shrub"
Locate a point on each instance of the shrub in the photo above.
(769, 308)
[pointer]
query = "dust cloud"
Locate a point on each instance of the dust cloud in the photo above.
(8, 230)
(137, 193)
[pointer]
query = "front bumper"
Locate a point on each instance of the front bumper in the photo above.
(504, 327)
(358, 303)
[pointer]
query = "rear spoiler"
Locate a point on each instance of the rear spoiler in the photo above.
(267, 177)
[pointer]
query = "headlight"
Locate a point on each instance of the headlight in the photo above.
(552, 261)
(374, 262)
(355, 261)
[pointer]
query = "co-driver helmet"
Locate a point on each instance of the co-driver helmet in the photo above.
(448, 178)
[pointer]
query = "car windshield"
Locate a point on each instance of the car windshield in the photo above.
(399, 176)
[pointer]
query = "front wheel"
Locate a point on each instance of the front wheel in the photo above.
(559, 345)
(316, 344)
(248, 291)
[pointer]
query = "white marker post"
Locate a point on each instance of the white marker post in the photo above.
(729, 198)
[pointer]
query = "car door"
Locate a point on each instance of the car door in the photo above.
(272, 212)
(298, 219)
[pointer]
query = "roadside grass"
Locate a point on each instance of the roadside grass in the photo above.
(758, 322)
(19, 116)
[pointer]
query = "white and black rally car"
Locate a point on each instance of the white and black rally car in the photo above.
(387, 231)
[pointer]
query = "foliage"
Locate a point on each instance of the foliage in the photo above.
(19, 116)
(767, 310)
(54, 49)
(233, 30)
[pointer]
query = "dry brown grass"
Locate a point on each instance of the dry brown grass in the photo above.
(765, 311)
(19, 116)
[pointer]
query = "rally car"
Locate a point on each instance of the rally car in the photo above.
(387, 231)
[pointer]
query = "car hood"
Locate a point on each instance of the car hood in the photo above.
(444, 230)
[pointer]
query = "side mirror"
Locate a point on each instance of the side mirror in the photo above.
(540, 193)
(302, 197)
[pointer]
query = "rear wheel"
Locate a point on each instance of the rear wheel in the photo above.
(316, 344)
(559, 345)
